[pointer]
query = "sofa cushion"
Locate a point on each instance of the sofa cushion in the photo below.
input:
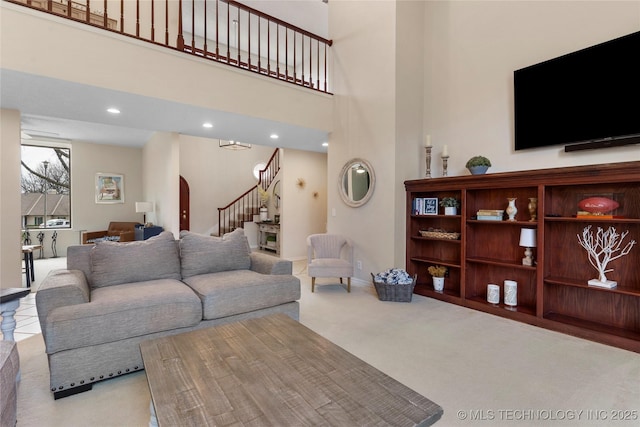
(117, 263)
(234, 292)
(200, 254)
(123, 311)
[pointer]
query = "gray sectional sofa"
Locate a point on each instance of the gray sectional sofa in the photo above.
(113, 296)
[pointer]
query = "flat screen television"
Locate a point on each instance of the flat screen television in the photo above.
(589, 98)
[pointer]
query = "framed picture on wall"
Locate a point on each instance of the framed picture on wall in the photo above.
(109, 188)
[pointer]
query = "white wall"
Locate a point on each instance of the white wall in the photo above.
(472, 49)
(303, 209)
(364, 35)
(161, 180)
(10, 233)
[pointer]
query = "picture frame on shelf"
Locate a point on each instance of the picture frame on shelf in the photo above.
(109, 188)
(430, 206)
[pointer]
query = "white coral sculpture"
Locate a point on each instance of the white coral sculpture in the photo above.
(604, 248)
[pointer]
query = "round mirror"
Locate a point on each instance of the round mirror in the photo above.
(356, 182)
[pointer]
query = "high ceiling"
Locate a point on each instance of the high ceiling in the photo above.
(62, 110)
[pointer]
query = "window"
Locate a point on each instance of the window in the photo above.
(46, 185)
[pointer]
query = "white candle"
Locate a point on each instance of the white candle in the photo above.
(445, 151)
(427, 140)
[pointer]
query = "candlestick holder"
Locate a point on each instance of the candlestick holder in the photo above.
(445, 160)
(428, 150)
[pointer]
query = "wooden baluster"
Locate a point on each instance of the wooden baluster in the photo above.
(286, 56)
(217, 31)
(318, 64)
(193, 26)
(138, 18)
(259, 55)
(268, 48)
(69, 8)
(238, 36)
(228, 29)
(249, 39)
(302, 60)
(295, 72)
(180, 41)
(122, 16)
(87, 15)
(153, 20)
(325, 67)
(105, 19)
(277, 50)
(166, 22)
(205, 29)
(310, 62)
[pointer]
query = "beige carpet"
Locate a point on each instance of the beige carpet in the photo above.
(483, 370)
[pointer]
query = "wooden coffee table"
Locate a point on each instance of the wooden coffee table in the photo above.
(272, 371)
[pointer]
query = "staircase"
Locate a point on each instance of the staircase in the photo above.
(245, 206)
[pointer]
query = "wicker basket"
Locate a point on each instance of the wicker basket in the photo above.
(440, 235)
(397, 293)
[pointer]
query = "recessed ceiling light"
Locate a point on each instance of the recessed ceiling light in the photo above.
(207, 125)
(113, 110)
(274, 136)
(325, 144)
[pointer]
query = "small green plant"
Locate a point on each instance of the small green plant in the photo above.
(437, 270)
(449, 202)
(478, 161)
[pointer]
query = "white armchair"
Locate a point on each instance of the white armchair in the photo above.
(329, 255)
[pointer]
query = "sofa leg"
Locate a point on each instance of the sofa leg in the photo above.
(71, 391)
(348, 284)
(313, 284)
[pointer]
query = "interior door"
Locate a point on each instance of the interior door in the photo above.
(184, 204)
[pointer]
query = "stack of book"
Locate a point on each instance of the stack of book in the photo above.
(589, 215)
(490, 214)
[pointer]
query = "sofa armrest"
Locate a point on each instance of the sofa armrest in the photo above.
(268, 264)
(90, 235)
(61, 288)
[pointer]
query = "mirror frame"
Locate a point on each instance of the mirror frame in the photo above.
(372, 183)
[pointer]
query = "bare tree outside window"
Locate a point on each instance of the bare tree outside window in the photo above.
(46, 184)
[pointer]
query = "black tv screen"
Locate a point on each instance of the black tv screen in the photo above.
(592, 95)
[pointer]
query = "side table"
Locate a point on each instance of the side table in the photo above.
(9, 303)
(143, 233)
(27, 251)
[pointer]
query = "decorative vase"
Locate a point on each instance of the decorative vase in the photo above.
(450, 210)
(510, 293)
(438, 284)
(533, 208)
(264, 214)
(511, 208)
(493, 294)
(478, 170)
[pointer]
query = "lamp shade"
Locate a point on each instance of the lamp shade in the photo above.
(528, 238)
(143, 207)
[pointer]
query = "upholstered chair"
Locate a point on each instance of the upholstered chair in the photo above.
(329, 255)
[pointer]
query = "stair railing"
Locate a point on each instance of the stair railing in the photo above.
(224, 31)
(245, 206)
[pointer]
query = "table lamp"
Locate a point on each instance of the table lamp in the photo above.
(528, 241)
(144, 207)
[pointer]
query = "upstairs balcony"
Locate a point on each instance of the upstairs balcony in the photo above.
(224, 31)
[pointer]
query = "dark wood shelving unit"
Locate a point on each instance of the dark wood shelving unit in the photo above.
(553, 293)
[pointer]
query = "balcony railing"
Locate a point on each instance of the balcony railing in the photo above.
(219, 30)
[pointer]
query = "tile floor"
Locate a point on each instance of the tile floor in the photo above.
(27, 323)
